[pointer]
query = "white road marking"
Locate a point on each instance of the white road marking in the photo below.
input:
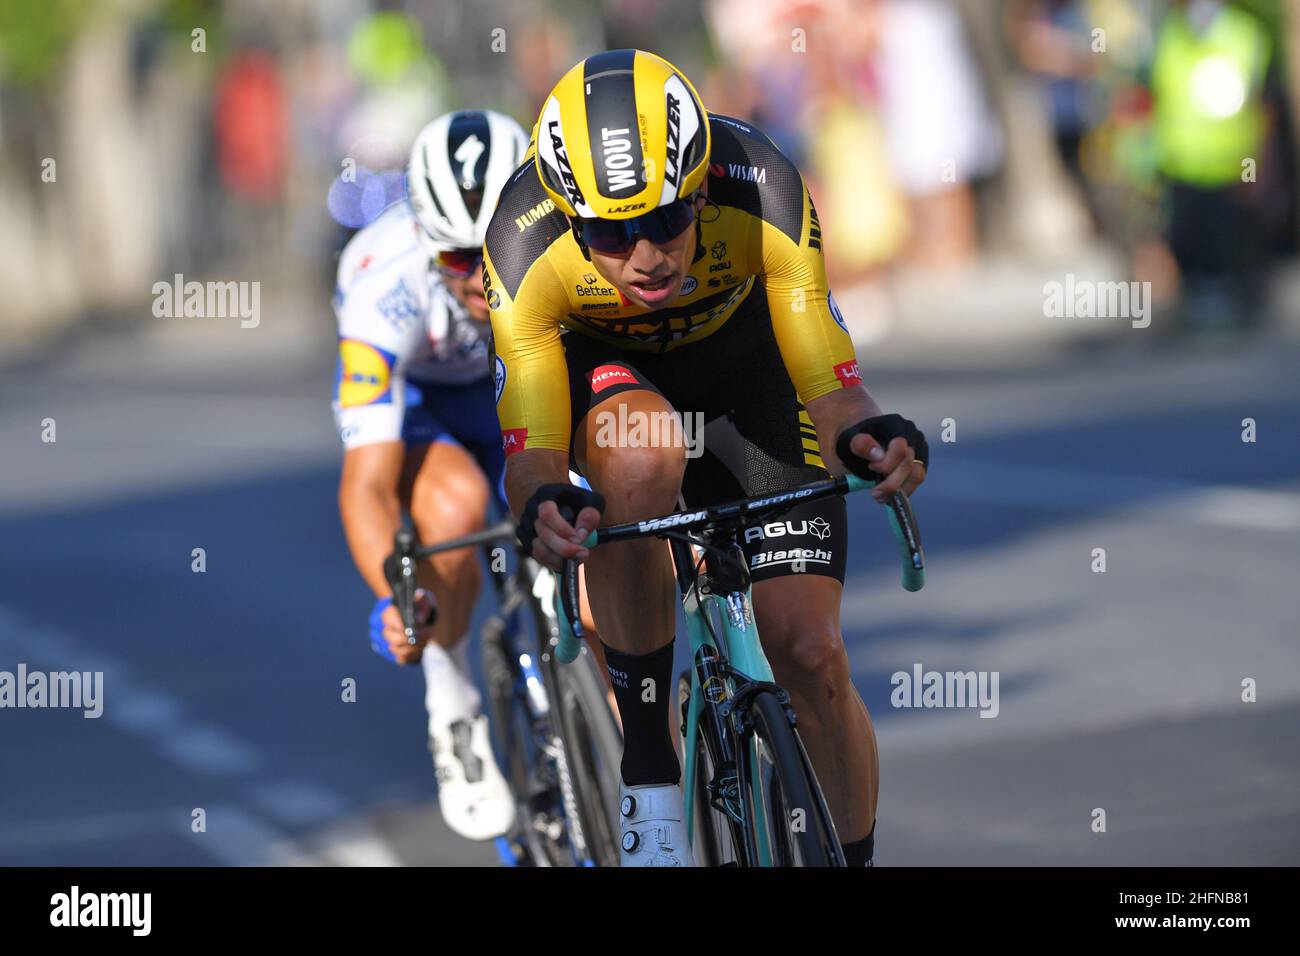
(296, 802)
(234, 836)
(145, 714)
(208, 751)
(1245, 508)
(357, 843)
(36, 834)
(1078, 650)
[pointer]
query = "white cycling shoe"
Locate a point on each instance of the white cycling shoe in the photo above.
(653, 826)
(475, 801)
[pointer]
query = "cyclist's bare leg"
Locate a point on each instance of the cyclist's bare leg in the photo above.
(798, 617)
(589, 620)
(631, 586)
(448, 498)
(593, 640)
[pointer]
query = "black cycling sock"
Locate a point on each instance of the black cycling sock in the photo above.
(648, 752)
(859, 852)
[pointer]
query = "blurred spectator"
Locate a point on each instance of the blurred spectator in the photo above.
(252, 127)
(1052, 39)
(864, 215)
(804, 72)
(767, 46)
(541, 52)
(881, 105)
(941, 132)
(401, 87)
(1213, 71)
(1090, 57)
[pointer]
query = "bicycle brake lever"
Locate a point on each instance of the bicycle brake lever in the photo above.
(399, 569)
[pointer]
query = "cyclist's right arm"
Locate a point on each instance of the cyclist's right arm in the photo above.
(370, 508)
(369, 409)
(533, 405)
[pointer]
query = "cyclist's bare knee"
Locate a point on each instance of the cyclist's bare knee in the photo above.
(630, 456)
(449, 495)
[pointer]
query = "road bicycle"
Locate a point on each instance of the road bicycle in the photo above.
(752, 798)
(557, 739)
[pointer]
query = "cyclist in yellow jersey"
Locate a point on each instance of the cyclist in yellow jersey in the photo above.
(652, 258)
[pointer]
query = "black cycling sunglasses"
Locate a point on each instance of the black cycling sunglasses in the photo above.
(617, 236)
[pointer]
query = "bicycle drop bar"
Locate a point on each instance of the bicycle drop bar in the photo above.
(501, 531)
(901, 519)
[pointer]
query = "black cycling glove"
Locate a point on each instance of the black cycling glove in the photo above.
(884, 429)
(570, 499)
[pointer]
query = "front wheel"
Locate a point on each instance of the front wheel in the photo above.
(538, 825)
(593, 750)
(785, 804)
(712, 836)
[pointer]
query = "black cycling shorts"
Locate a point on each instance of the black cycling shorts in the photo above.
(758, 439)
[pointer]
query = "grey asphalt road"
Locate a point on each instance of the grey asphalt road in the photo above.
(1120, 693)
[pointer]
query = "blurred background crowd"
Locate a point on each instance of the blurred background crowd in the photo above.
(942, 138)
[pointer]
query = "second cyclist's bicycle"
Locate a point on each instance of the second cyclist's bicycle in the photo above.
(553, 728)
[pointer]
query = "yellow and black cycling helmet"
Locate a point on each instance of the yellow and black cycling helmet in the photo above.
(623, 133)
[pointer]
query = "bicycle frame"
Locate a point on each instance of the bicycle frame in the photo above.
(726, 666)
(727, 659)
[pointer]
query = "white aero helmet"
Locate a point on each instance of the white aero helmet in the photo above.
(458, 165)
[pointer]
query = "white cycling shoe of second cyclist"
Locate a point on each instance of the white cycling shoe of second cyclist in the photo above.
(472, 794)
(653, 826)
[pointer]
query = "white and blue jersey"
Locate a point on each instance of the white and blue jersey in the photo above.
(413, 365)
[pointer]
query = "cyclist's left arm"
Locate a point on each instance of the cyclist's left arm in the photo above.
(816, 347)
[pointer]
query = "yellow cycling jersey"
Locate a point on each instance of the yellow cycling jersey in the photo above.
(760, 224)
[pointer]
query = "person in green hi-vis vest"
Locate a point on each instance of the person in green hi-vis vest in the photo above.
(1211, 67)
(1207, 81)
